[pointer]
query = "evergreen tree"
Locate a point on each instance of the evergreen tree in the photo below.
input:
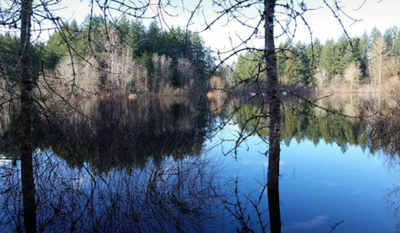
(303, 65)
(389, 38)
(137, 38)
(329, 61)
(313, 53)
(122, 27)
(153, 38)
(281, 59)
(344, 54)
(291, 68)
(397, 44)
(247, 68)
(364, 50)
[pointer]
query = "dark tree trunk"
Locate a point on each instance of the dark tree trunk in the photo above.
(274, 210)
(273, 96)
(27, 180)
(274, 127)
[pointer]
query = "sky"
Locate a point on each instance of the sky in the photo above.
(371, 13)
(382, 14)
(226, 34)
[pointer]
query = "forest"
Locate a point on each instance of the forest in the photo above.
(123, 57)
(126, 57)
(129, 151)
(346, 64)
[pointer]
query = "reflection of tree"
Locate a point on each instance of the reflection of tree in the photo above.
(171, 196)
(384, 132)
(384, 135)
(302, 121)
(393, 204)
(9, 131)
(122, 133)
(239, 209)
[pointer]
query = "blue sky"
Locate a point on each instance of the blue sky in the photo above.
(371, 13)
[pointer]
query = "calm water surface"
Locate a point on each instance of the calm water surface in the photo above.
(163, 166)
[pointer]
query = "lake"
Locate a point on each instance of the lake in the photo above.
(174, 165)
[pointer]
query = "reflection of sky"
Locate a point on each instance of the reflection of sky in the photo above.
(70, 199)
(4, 160)
(321, 186)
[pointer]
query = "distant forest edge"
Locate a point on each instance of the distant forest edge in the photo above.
(122, 57)
(126, 58)
(370, 63)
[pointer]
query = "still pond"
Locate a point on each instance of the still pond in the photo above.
(174, 165)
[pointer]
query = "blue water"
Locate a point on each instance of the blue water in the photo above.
(319, 186)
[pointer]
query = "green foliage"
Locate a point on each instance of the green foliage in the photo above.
(9, 50)
(375, 34)
(313, 54)
(397, 44)
(389, 37)
(248, 70)
(9, 47)
(99, 38)
(363, 46)
(329, 59)
(300, 64)
(303, 65)
(191, 61)
(137, 37)
(246, 67)
(281, 59)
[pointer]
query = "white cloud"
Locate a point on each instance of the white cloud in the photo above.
(317, 221)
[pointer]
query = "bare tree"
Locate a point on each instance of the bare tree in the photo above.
(261, 19)
(34, 16)
(174, 196)
(262, 25)
(26, 85)
(378, 57)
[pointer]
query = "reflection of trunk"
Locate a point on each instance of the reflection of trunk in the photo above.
(28, 194)
(274, 108)
(274, 210)
(26, 122)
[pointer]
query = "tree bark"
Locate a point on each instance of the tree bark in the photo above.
(273, 96)
(274, 127)
(27, 180)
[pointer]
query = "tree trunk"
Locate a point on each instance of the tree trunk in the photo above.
(27, 180)
(273, 96)
(274, 109)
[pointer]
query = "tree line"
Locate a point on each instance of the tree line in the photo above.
(372, 58)
(120, 57)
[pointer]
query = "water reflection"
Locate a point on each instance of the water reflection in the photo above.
(113, 165)
(327, 119)
(384, 136)
(384, 132)
(125, 133)
(172, 196)
(143, 165)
